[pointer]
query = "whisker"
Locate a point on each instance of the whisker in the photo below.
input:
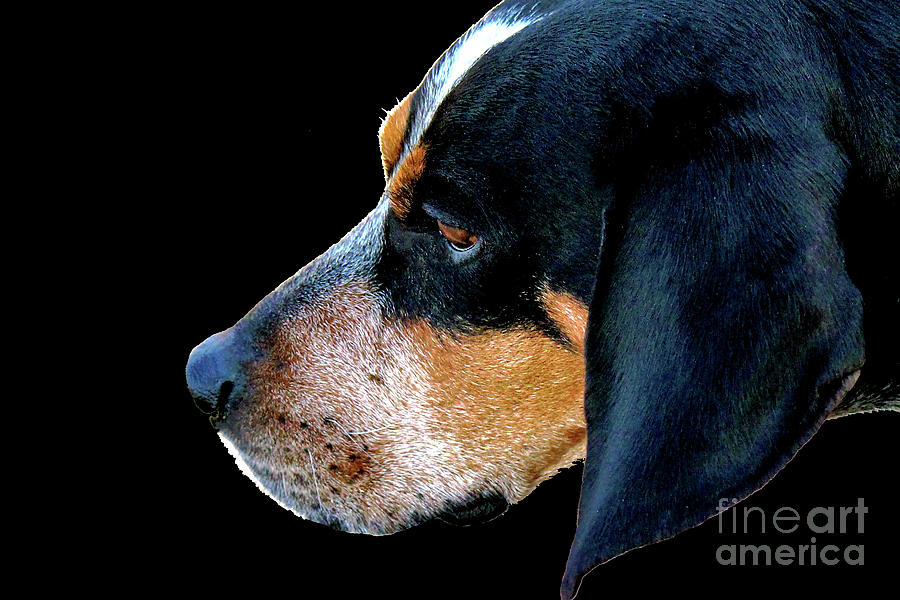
(312, 469)
(348, 434)
(369, 430)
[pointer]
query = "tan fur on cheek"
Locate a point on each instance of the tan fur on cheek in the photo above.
(569, 314)
(372, 424)
(513, 402)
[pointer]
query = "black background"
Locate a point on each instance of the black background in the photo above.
(258, 136)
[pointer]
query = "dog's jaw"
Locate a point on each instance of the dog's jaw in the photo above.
(383, 425)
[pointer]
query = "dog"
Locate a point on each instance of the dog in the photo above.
(656, 236)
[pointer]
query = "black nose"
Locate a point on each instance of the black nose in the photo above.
(213, 374)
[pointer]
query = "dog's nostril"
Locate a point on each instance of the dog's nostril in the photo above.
(220, 404)
(205, 405)
(224, 395)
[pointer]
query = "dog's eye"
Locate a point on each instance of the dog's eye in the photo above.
(458, 239)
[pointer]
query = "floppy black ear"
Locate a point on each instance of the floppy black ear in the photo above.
(722, 330)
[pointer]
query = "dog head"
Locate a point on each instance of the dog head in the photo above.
(431, 362)
(542, 281)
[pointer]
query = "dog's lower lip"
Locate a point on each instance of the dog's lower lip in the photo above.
(481, 509)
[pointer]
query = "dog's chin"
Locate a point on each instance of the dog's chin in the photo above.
(274, 484)
(306, 502)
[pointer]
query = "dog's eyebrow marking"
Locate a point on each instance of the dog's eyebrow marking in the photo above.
(404, 180)
(390, 134)
(401, 131)
(495, 27)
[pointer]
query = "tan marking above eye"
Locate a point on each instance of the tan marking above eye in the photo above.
(404, 179)
(391, 133)
(460, 239)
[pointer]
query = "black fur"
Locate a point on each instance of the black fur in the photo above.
(736, 169)
(719, 183)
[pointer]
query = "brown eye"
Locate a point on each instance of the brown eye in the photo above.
(458, 239)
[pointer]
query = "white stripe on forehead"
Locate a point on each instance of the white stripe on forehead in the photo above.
(495, 27)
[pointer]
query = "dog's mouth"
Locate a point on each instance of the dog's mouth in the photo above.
(480, 509)
(314, 498)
